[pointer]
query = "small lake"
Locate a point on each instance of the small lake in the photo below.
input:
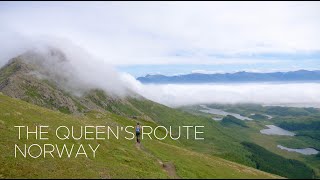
(217, 118)
(222, 113)
(266, 115)
(275, 130)
(305, 151)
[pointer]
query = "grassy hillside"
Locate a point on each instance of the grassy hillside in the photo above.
(222, 138)
(216, 141)
(115, 158)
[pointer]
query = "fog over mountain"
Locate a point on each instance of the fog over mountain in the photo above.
(83, 70)
(67, 64)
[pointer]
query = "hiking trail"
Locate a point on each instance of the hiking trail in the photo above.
(168, 167)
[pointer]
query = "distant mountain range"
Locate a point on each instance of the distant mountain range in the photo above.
(300, 75)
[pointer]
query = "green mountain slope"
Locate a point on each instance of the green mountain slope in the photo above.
(223, 138)
(115, 159)
(25, 78)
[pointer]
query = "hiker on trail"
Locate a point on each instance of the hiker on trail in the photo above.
(138, 128)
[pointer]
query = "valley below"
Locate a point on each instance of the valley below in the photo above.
(286, 132)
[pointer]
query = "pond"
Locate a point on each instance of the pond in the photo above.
(222, 113)
(266, 115)
(275, 130)
(305, 151)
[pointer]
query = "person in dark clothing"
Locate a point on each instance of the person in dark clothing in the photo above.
(138, 130)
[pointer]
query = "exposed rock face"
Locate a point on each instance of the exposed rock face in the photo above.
(20, 80)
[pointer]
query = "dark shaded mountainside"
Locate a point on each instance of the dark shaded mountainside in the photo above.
(26, 77)
(301, 75)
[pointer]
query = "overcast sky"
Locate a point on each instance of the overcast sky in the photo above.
(175, 37)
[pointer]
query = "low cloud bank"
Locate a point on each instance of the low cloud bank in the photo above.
(291, 94)
(84, 71)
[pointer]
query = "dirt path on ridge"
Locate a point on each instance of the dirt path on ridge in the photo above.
(168, 167)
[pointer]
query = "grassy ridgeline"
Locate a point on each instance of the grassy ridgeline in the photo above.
(114, 159)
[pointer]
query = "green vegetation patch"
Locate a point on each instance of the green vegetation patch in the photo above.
(270, 162)
(231, 120)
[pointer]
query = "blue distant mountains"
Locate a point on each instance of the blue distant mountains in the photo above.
(300, 75)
